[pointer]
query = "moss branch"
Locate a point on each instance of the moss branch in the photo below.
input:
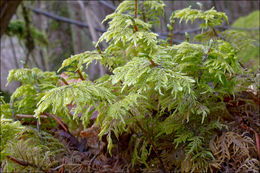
(25, 163)
(135, 27)
(136, 8)
(80, 74)
(64, 81)
(153, 63)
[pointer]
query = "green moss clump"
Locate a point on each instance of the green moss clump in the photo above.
(250, 53)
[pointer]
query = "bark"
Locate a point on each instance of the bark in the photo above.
(8, 9)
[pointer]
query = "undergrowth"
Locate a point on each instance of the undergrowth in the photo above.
(170, 99)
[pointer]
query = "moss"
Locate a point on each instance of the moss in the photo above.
(39, 149)
(9, 129)
(252, 20)
(250, 54)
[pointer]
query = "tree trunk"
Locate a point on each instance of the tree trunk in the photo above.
(8, 8)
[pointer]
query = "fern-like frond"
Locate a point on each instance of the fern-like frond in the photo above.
(30, 76)
(210, 17)
(80, 94)
(231, 145)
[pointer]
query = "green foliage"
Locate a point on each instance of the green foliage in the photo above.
(17, 28)
(37, 150)
(80, 94)
(34, 83)
(209, 18)
(157, 91)
(8, 131)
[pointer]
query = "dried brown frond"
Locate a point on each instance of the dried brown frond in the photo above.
(249, 165)
(233, 151)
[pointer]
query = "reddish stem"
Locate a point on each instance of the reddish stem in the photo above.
(135, 27)
(80, 75)
(20, 162)
(64, 81)
(153, 63)
(59, 121)
(135, 8)
(24, 163)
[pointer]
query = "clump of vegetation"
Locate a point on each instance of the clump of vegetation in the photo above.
(164, 104)
(25, 149)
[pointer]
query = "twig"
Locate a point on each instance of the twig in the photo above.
(29, 116)
(112, 7)
(58, 120)
(63, 19)
(81, 24)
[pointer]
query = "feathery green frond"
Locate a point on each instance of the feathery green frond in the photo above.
(210, 18)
